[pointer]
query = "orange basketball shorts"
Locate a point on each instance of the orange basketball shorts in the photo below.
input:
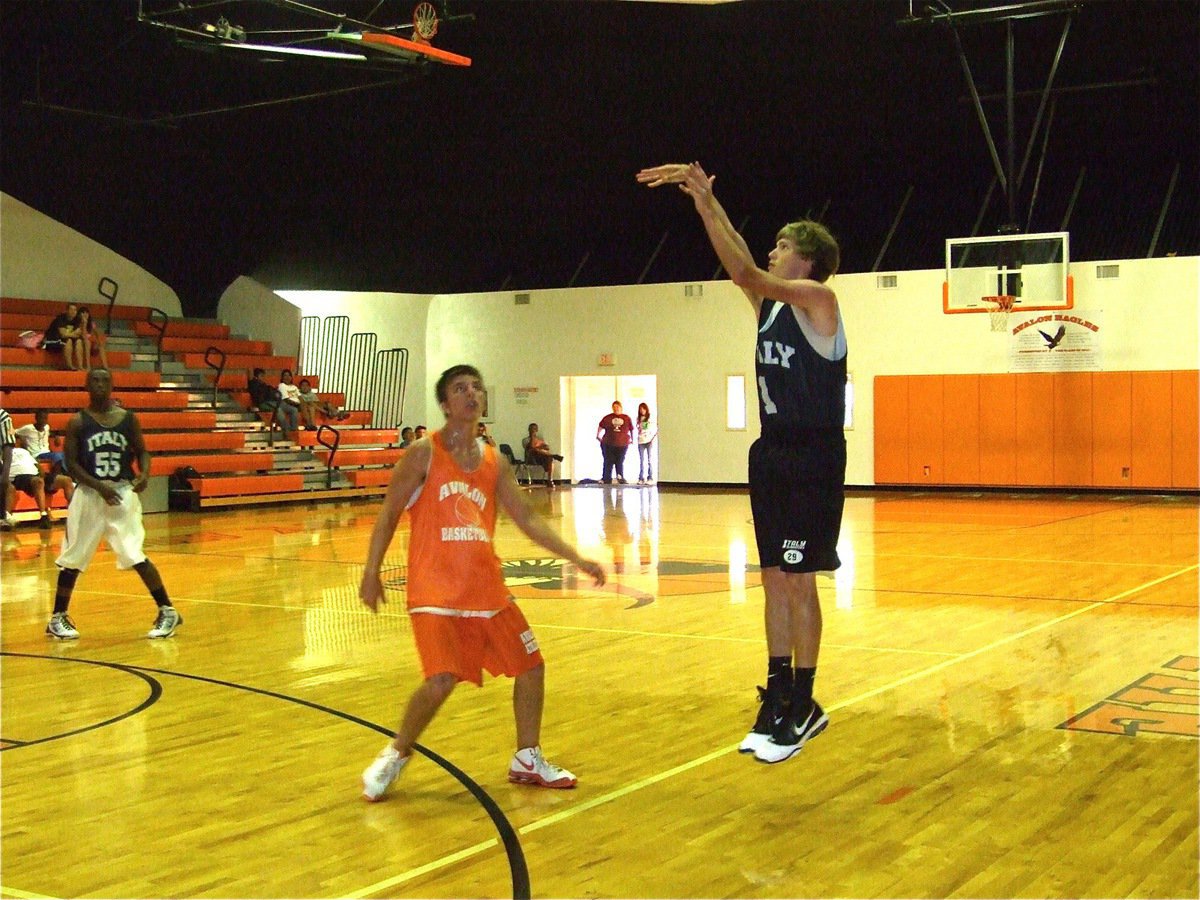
(466, 645)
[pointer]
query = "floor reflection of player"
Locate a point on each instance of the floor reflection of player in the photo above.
(617, 533)
(645, 526)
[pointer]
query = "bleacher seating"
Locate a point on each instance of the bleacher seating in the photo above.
(224, 447)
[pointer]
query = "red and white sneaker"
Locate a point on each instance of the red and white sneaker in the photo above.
(528, 766)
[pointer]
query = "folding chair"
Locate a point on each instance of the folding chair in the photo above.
(520, 467)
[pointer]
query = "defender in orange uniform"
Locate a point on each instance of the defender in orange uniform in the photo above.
(463, 617)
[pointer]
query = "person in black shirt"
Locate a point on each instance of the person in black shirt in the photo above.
(262, 395)
(103, 444)
(798, 464)
(62, 333)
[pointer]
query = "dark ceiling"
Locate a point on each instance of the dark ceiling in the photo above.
(517, 172)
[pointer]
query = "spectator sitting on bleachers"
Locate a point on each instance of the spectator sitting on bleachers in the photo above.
(406, 437)
(37, 440)
(61, 335)
(264, 398)
(89, 341)
(289, 400)
(26, 477)
(261, 393)
(311, 404)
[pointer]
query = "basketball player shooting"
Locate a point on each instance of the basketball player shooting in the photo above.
(798, 464)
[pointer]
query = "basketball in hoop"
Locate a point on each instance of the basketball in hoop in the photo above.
(1002, 307)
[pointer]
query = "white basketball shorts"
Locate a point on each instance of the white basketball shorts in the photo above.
(90, 519)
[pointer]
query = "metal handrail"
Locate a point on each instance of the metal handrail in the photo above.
(161, 328)
(274, 421)
(219, 366)
(111, 298)
(352, 365)
(332, 448)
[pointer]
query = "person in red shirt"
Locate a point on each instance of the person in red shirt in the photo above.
(463, 617)
(614, 434)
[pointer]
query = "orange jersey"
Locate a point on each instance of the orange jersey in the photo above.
(451, 561)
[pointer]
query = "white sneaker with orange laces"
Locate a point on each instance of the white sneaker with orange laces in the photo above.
(528, 766)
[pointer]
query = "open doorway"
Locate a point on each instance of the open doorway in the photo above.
(585, 400)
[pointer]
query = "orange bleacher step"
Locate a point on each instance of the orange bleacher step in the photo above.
(208, 463)
(353, 436)
(53, 359)
(135, 400)
(242, 396)
(237, 381)
(65, 378)
(177, 328)
(187, 441)
(240, 361)
(233, 485)
(231, 346)
(25, 503)
(150, 421)
(10, 334)
(381, 456)
(353, 417)
(25, 321)
(368, 477)
(51, 308)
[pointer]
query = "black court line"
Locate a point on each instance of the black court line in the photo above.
(508, 836)
(155, 693)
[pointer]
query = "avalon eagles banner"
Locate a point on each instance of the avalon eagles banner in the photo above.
(1055, 341)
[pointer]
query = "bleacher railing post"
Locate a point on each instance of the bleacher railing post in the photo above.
(160, 328)
(110, 297)
(219, 365)
(322, 431)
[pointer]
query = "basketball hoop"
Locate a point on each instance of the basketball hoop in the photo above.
(425, 22)
(1004, 306)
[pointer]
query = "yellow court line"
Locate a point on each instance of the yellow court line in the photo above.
(717, 754)
(22, 895)
(539, 625)
(440, 863)
(937, 667)
(623, 791)
(1017, 559)
(715, 637)
(633, 787)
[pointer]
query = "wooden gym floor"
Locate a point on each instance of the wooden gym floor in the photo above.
(1011, 682)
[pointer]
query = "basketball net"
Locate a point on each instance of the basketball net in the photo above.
(1003, 308)
(425, 22)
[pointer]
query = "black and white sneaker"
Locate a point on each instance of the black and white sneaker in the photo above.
(62, 628)
(166, 623)
(771, 715)
(790, 738)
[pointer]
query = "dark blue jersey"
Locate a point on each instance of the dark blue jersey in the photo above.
(799, 390)
(106, 452)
